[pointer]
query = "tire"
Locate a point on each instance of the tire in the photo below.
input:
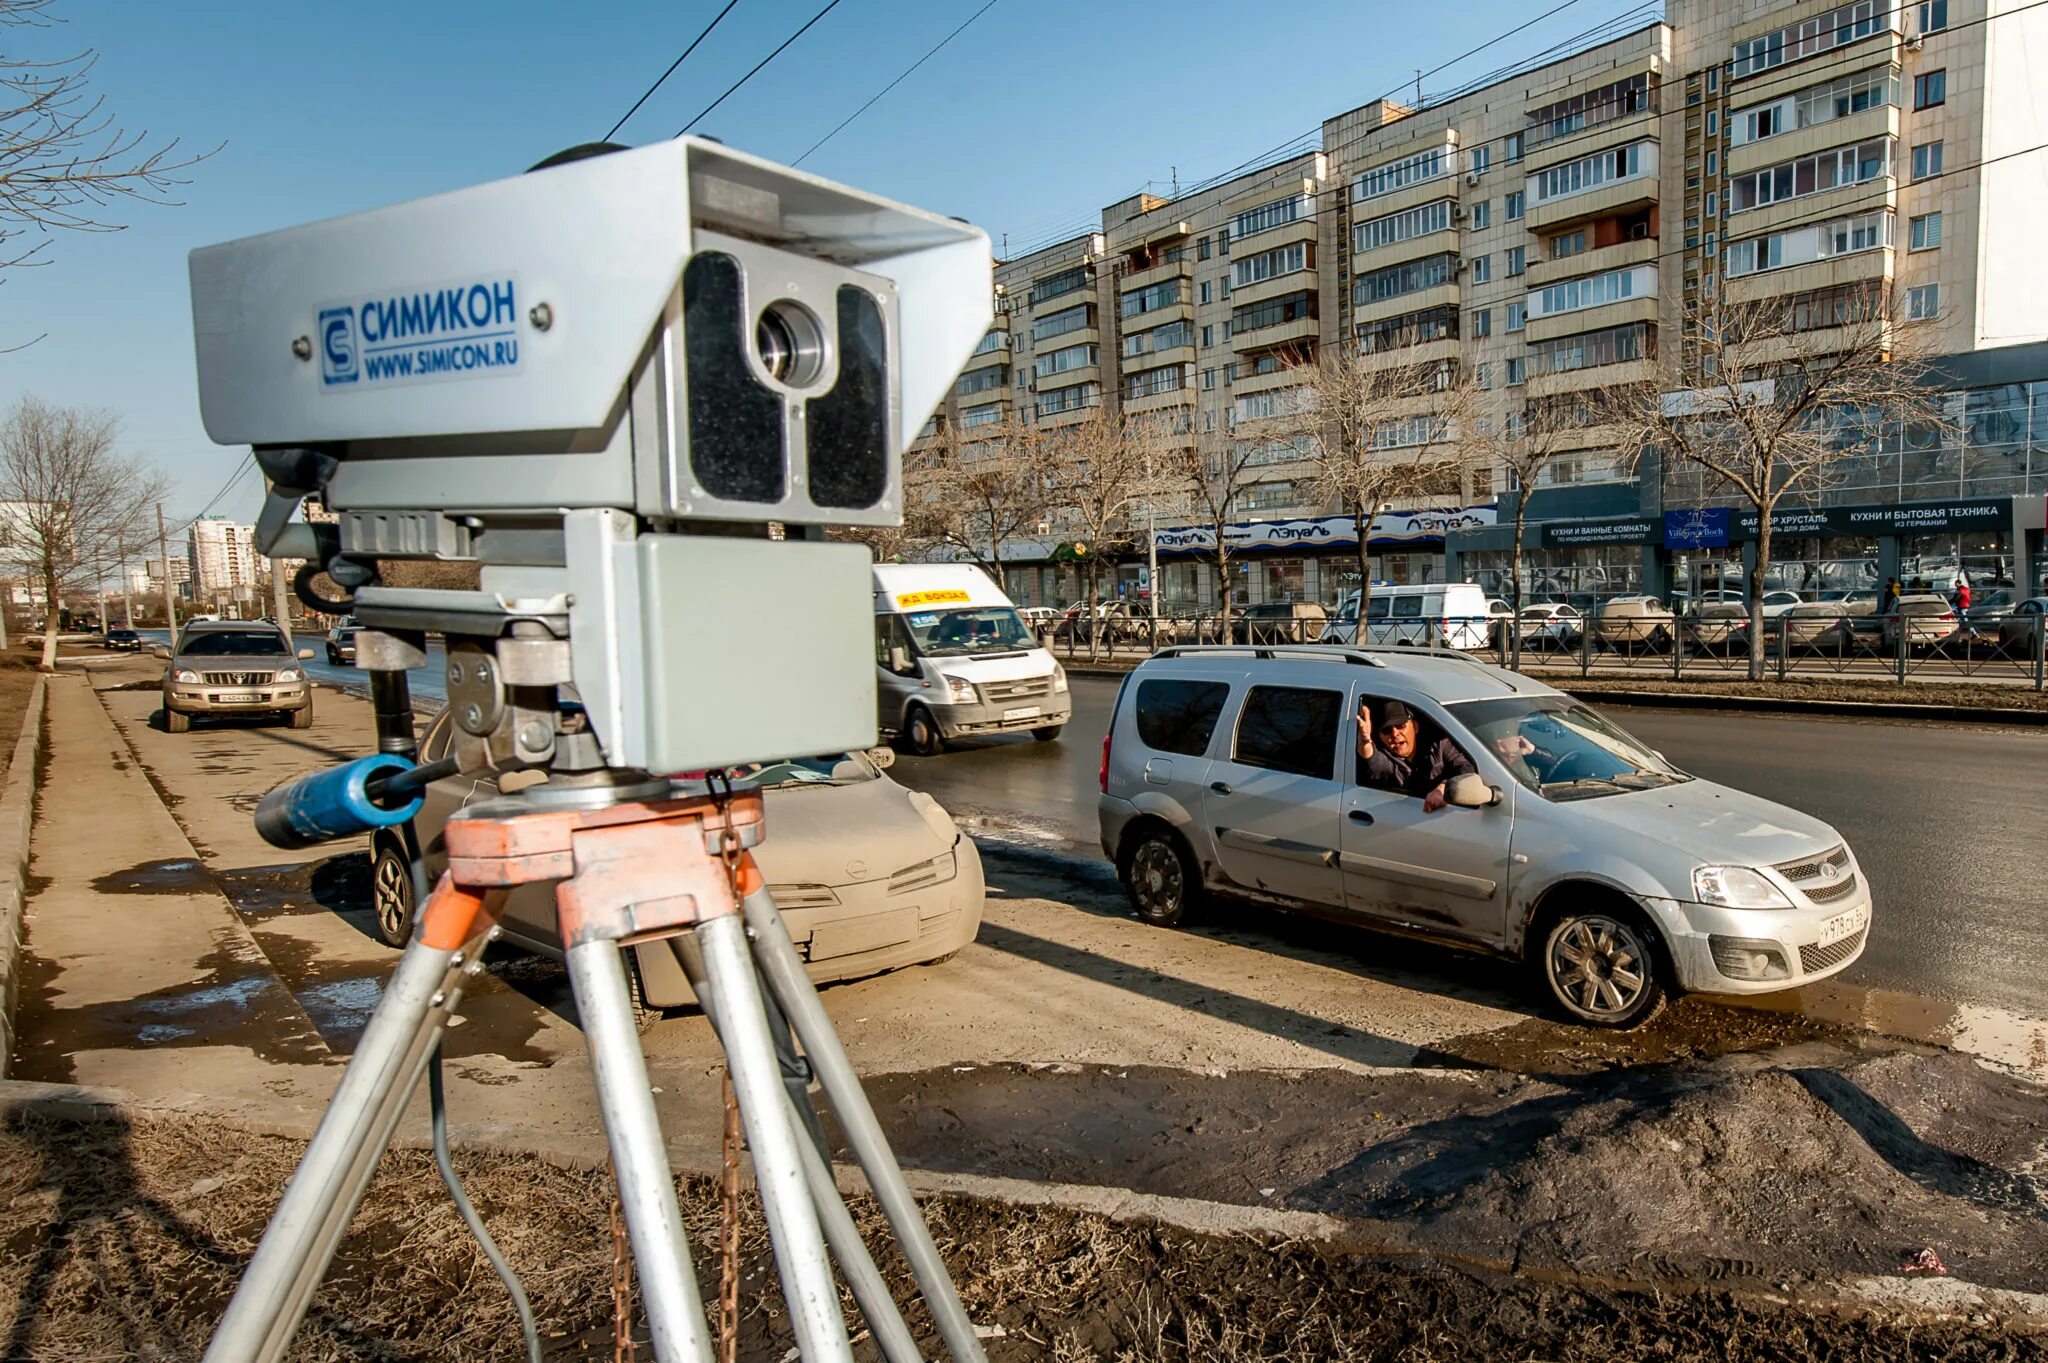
(1160, 876)
(1604, 967)
(175, 722)
(1047, 733)
(921, 736)
(333, 656)
(391, 893)
(302, 718)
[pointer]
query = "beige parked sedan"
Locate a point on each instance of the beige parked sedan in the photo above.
(869, 876)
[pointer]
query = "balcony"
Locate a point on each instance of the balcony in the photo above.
(1300, 331)
(1285, 376)
(1638, 125)
(1058, 302)
(1639, 191)
(1775, 57)
(1882, 120)
(1428, 244)
(1593, 376)
(1183, 268)
(1155, 359)
(1444, 295)
(1877, 263)
(1597, 260)
(1274, 286)
(1402, 357)
(1286, 234)
(1160, 401)
(1642, 308)
(1866, 196)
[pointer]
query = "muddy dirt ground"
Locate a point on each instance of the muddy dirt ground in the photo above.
(122, 1240)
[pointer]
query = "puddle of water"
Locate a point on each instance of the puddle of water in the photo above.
(2003, 1038)
(177, 875)
(342, 1005)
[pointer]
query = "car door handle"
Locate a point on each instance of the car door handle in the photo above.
(1359, 816)
(1220, 787)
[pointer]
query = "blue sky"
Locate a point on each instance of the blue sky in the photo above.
(1030, 121)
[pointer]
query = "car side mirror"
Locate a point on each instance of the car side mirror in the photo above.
(899, 660)
(305, 653)
(884, 757)
(159, 651)
(1470, 791)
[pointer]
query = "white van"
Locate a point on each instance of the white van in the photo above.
(953, 659)
(1446, 614)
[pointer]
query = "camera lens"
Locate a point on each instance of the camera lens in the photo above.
(790, 344)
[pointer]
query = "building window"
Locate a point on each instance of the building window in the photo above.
(1802, 245)
(1482, 322)
(1814, 105)
(1271, 312)
(1518, 369)
(1208, 380)
(1399, 227)
(1923, 302)
(1409, 329)
(1622, 99)
(1592, 291)
(1713, 204)
(1153, 297)
(1924, 232)
(1482, 159)
(1482, 269)
(1518, 260)
(1276, 214)
(1569, 244)
(1482, 214)
(1482, 374)
(1202, 249)
(1065, 358)
(1713, 165)
(1613, 345)
(1397, 280)
(1933, 15)
(1052, 286)
(1831, 169)
(1409, 170)
(1930, 89)
(1152, 381)
(1713, 122)
(1223, 241)
(1271, 264)
(1713, 80)
(1208, 337)
(1927, 160)
(1591, 172)
(1061, 322)
(1511, 209)
(1518, 316)
(981, 416)
(1809, 37)
(1207, 292)
(1168, 337)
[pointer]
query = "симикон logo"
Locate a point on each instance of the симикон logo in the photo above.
(338, 345)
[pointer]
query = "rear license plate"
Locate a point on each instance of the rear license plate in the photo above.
(1843, 925)
(237, 698)
(1022, 712)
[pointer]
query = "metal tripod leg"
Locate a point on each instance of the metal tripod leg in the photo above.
(877, 1305)
(783, 971)
(647, 1190)
(793, 1226)
(322, 1196)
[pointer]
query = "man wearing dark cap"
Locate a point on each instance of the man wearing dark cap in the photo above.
(1394, 754)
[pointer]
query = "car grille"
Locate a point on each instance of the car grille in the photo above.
(923, 875)
(1828, 891)
(237, 678)
(1813, 960)
(1023, 688)
(1809, 868)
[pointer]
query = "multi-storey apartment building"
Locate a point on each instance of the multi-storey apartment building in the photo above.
(223, 558)
(1565, 229)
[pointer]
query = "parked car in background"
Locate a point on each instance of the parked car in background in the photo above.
(1038, 618)
(1280, 622)
(1988, 609)
(1551, 624)
(1418, 615)
(123, 641)
(1632, 622)
(2020, 632)
(869, 876)
(341, 642)
(1570, 845)
(1922, 620)
(234, 668)
(1500, 620)
(1819, 626)
(1716, 627)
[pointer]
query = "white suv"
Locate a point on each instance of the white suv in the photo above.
(1484, 809)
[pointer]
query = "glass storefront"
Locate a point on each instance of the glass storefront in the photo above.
(1595, 571)
(1931, 563)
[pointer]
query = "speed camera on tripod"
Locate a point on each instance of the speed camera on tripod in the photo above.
(681, 331)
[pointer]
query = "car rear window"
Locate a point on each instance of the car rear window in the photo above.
(1924, 608)
(1179, 716)
(1290, 728)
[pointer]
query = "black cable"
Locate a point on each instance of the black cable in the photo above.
(758, 65)
(649, 91)
(933, 52)
(439, 1103)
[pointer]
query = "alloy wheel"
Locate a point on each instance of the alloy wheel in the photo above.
(1600, 965)
(1157, 881)
(391, 895)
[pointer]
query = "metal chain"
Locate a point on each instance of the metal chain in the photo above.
(720, 784)
(623, 1350)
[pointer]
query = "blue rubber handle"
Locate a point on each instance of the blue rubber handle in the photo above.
(332, 804)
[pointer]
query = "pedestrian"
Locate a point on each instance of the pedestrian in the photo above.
(1890, 604)
(1963, 603)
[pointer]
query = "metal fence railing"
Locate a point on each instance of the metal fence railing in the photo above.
(1877, 648)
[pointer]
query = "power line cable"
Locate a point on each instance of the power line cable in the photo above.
(648, 93)
(896, 82)
(834, 4)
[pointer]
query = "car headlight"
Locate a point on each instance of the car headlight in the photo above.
(960, 690)
(1059, 677)
(1736, 887)
(184, 674)
(289, 674)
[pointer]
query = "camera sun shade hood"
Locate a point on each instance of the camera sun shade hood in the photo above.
(573, 265)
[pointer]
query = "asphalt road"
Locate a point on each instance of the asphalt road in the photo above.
(1949, 822)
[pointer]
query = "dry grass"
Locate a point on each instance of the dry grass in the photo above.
(123, 1241)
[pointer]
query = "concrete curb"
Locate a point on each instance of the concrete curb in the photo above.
(1940, 1298)
(1839, 709)
(17, 812)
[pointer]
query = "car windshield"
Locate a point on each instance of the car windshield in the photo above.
(974, 629)
(1562, 750)
(238, 643)
(831, 769)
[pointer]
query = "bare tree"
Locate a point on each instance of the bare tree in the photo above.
(67, 498)
(1377, 433)
(1774, 407)
(65, 160)
(983, 488)
(1099, 471)
(907, 541)
(1213, 473)
(1525, 440)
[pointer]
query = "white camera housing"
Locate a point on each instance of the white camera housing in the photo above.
(558, 340)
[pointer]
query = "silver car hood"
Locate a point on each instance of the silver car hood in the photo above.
(841, 835)
(1712, 824)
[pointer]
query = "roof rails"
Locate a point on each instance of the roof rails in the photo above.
(1343, 653)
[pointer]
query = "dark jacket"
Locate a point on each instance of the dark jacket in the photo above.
(1435, 762)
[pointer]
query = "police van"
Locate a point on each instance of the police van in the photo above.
(954, 660)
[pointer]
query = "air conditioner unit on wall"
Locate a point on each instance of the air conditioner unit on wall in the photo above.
(1457, 212)
(1914, 43)
(1471, 177)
